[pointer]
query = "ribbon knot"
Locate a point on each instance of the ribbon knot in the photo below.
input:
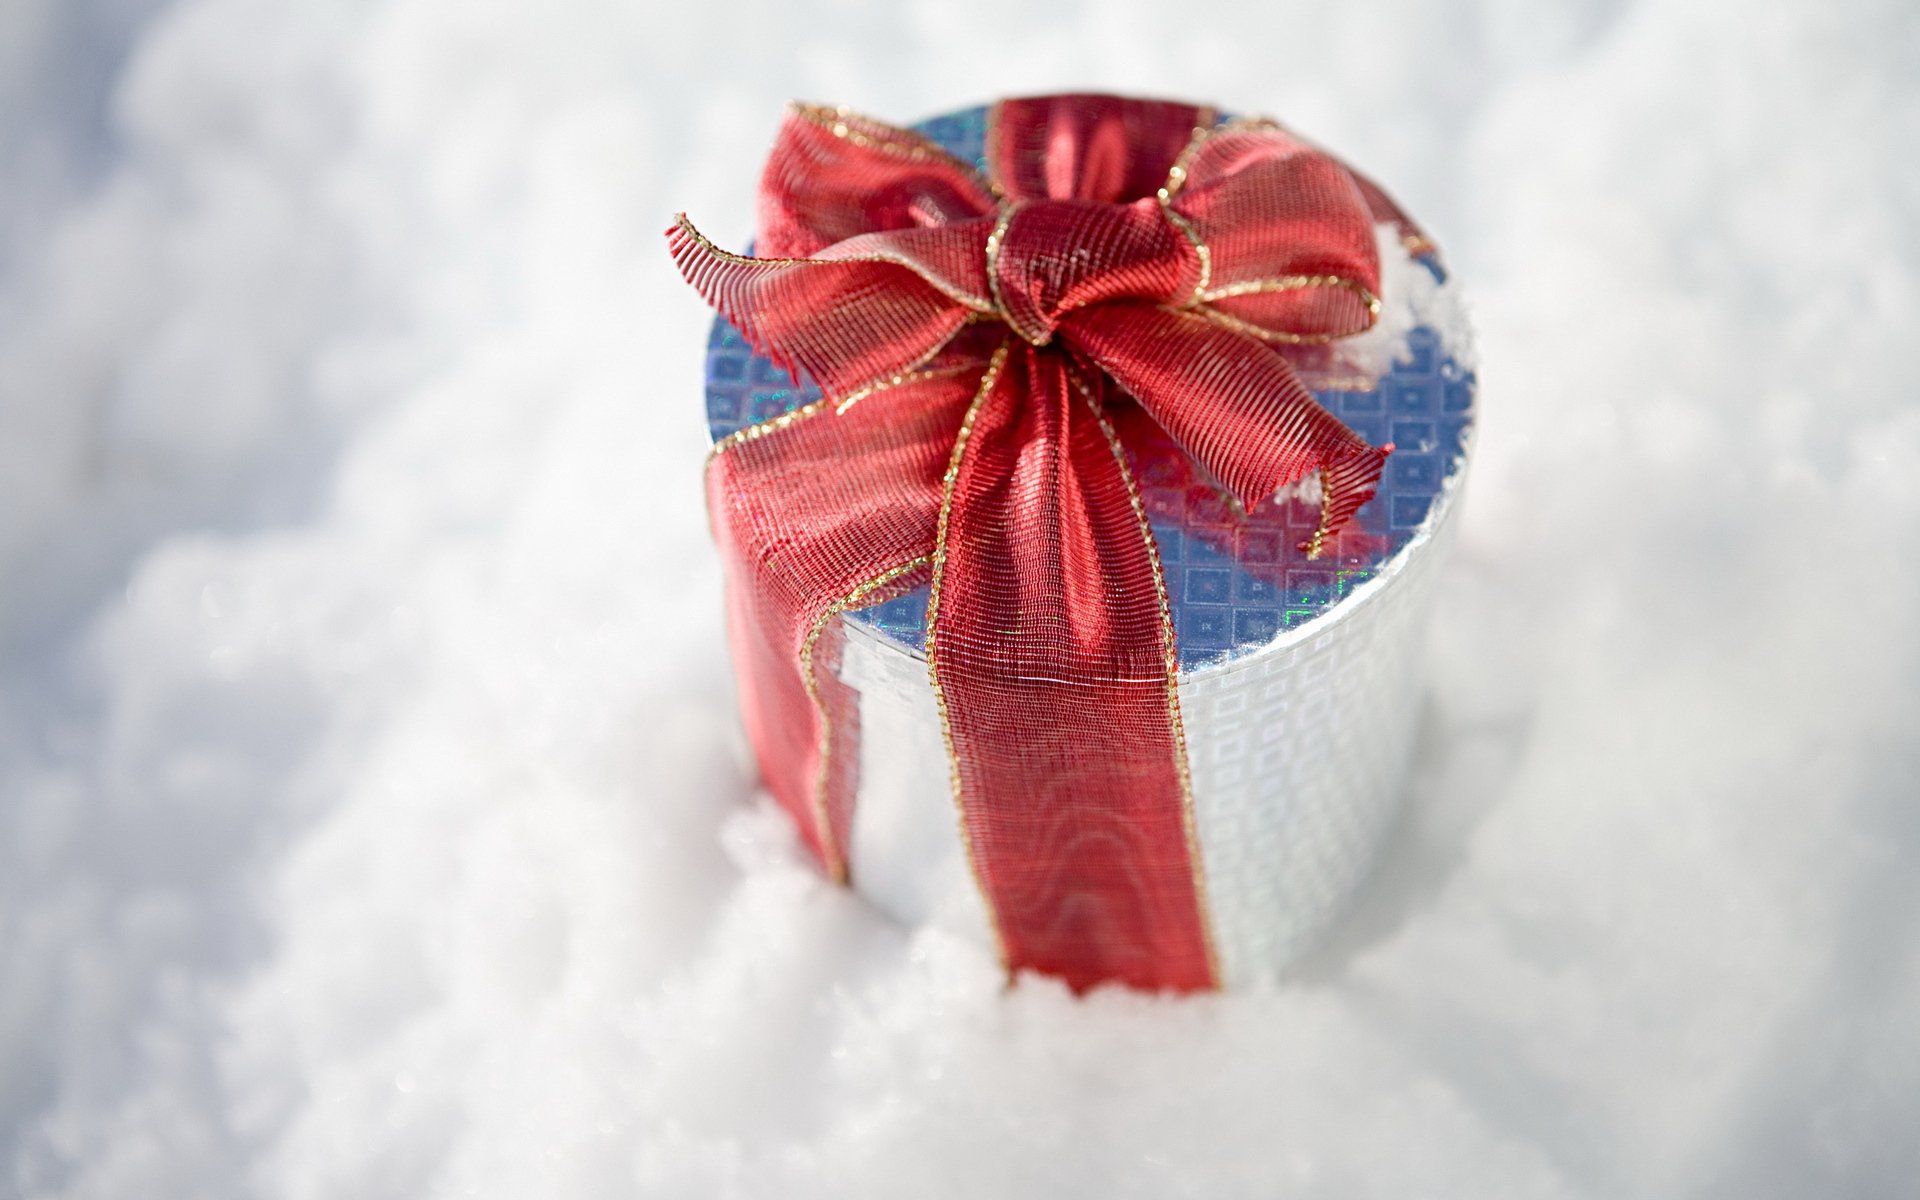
(1046, 258)
(969, 333)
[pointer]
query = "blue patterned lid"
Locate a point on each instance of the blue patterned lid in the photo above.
(1234, 583)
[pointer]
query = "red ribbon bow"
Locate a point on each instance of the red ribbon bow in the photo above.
(966, 333)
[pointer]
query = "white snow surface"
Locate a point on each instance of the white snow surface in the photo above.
(373, 821)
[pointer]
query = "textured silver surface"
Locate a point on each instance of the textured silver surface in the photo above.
(1298, 753)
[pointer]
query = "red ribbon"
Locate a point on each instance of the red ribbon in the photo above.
(968, 334)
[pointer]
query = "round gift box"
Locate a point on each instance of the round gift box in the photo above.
(1299, 681)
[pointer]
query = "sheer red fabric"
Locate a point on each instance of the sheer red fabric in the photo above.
(967, 333)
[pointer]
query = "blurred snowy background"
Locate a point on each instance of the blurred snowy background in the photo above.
(371, 823)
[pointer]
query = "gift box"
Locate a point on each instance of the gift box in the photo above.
(1083, 466)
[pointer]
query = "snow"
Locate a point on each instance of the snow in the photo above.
(372, 817)
(1410, 296)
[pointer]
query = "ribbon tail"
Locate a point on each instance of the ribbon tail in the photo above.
(814, 513)
(1233, 403)
(869, 309)
(1051, 653)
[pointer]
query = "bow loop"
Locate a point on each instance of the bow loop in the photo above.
(1289, 236)
(1108, 149)
(833, 174)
